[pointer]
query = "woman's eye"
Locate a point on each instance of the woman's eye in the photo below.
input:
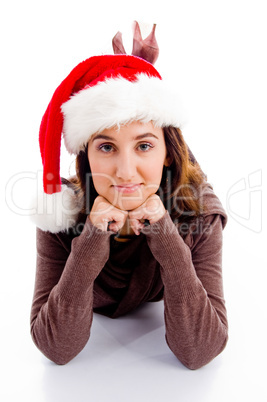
(145, 147)
(106, 148)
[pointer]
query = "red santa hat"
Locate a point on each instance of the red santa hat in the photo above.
(99, 93)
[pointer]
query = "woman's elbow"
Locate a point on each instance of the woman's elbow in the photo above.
(196, 358)
(58, 354)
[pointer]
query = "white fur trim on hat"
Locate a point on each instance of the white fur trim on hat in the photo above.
(56, 212)
(118, 101)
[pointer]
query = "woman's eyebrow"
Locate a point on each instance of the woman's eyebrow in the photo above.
(108, 138)
(102, 137)
(141, 136)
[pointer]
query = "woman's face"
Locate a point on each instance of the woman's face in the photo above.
(127, 163)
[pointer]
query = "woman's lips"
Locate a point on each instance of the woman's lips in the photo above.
(127, 188)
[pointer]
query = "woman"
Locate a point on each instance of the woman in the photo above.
(138, 223)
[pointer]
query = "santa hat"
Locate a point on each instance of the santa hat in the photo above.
(99, 93)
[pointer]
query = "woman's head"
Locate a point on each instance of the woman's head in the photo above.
(100, 93)
(103, 93)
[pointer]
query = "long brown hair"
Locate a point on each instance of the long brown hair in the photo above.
(180, 186)
(182, 180)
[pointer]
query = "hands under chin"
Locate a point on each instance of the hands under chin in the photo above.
(151, 210)
(105, 215)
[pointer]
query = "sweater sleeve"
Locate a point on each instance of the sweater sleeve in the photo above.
(62, 308)
(194, 307)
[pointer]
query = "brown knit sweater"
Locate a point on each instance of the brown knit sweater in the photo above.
(79, 274)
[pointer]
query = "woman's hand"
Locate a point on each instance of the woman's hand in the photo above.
(152, 210)
(104, 215)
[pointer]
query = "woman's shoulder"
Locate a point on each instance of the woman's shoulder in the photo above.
(211, 204)
(212, 215)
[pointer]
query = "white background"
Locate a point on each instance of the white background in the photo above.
(215, 52)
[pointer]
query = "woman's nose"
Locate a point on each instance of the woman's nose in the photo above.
(126, 167)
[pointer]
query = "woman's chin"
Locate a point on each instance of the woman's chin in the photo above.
(126, 204)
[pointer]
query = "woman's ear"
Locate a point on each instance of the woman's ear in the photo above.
(168, 161)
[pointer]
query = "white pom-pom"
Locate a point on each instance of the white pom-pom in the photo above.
(56, 212)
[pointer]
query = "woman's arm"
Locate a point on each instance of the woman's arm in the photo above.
(195, 314)
(62, 307)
